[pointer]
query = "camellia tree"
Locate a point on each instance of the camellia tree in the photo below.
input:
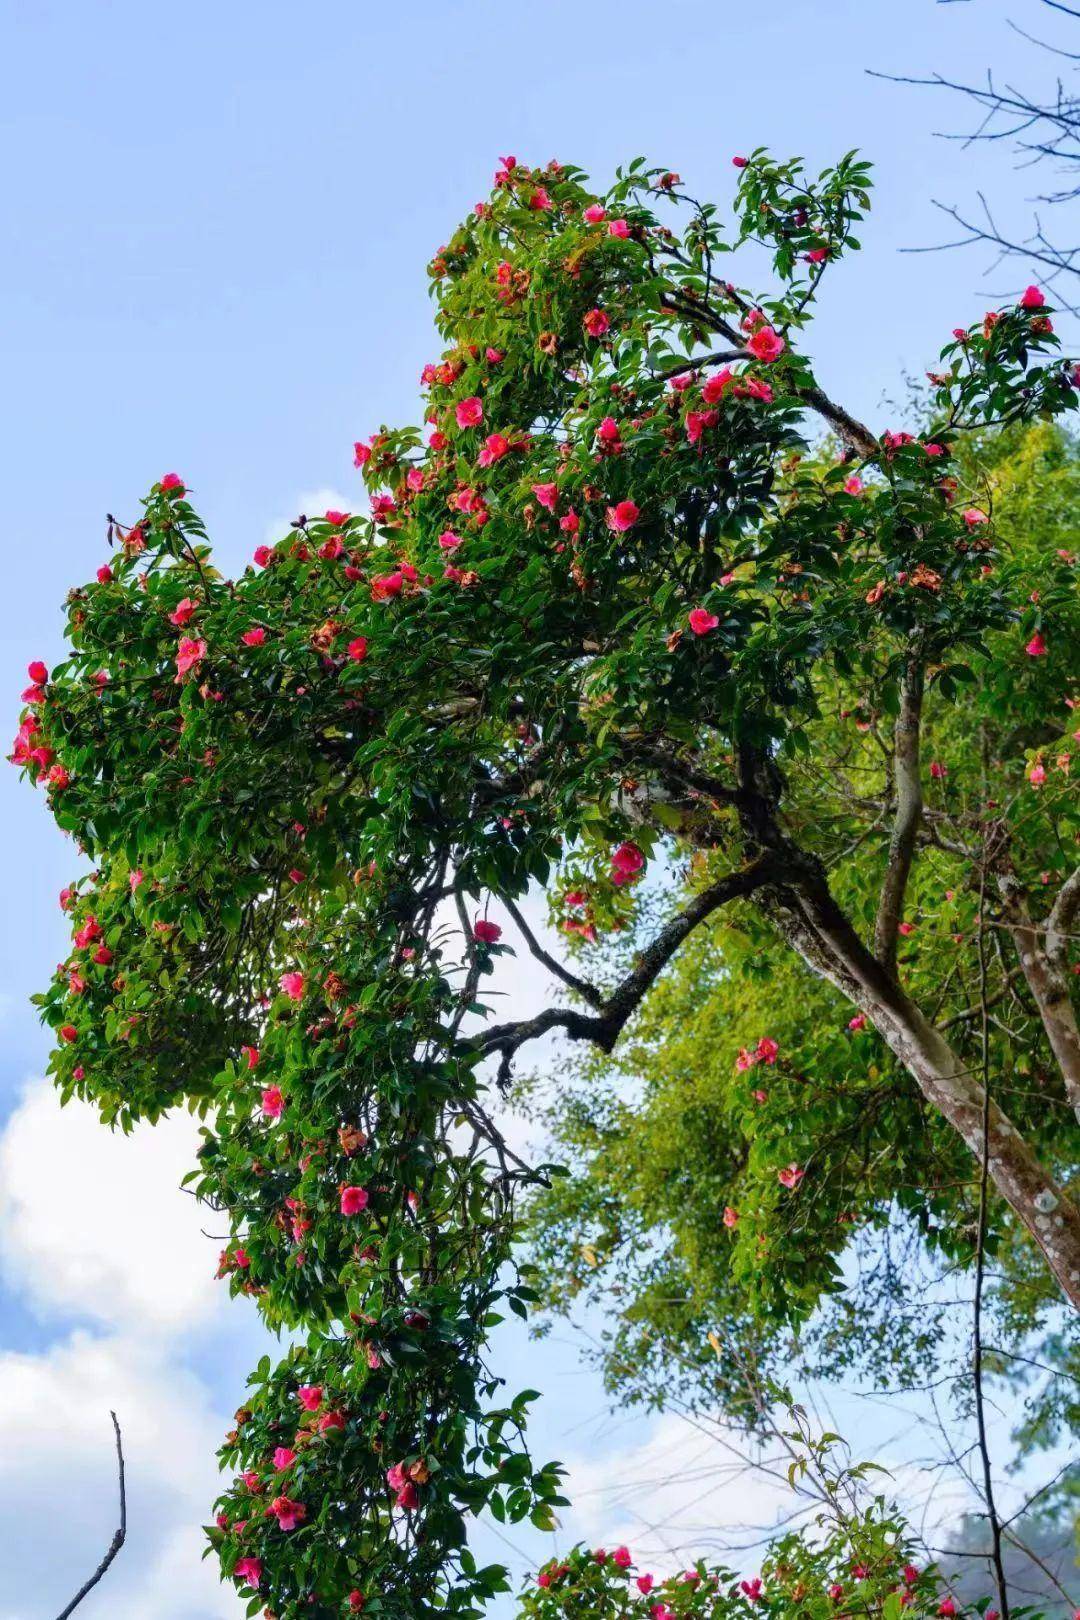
(582, 632)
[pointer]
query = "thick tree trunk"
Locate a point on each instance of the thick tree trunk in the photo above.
(816, 927)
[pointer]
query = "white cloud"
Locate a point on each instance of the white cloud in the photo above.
(58, 1485)
(93, 1222)
(312, 503)
(685, 1492)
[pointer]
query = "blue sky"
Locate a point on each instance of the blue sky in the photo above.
(217, 220)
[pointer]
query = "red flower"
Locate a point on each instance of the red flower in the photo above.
(702, 621)
(622, 516)
(596, 323)
(486, 932)
(254, 637)
(469, 412)
(1032, 298)
(173, 481)
(357, 649)
(766, 344)
(354, 1200)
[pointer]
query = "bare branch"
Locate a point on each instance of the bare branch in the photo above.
(587, 992)
(118, 1538)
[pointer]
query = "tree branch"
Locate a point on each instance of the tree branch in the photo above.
(605, 1025)
(118, 1538)
(909, 805)
(588, 992)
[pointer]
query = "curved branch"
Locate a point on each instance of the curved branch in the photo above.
(118, 1538)
(605, 1025)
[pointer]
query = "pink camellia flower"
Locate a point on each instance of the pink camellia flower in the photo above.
(937, 770)
(619, 228)
(713, 390)
(854, 485)
(730, 1217)
(37, 672)
(702, 621)
(790, 1176)
(189, 655)
(817, 255)
(293, 985)
(547, 495)
(283, 1458)
(336, 519)
(740, 162)
(288, 1513)
(946, 1609)
(767, 1050)
(104, 574)
(273, 1102)
(382, 506)
(59, 776)
(540, 201)
(494, 357)
(644, 1584)
(86, 935)
(262, 555)
(361, 453)
(626, 862)
(621, 1558)
(836, 1591)
(858, 1022)
(358, 649)
(356, 1601)
(496, 445)
(250, 1055)
(1037, 773)
(254, 637)
(310, 1397)
(596, 323)
(354, 1200)
(103, 956)
(449, 541)
(486, 932)
(68, 1032)
(973, 516)
(622, 516)
(766, 344)
(469, 412)
(595, 214)
(905, 928)
(331, 1420)
(173, 481)
(697, 422)
(1032, 298)
(1036, 647)
(910, 1574)
(608, 431)
(248, 1570)
(752, 1588)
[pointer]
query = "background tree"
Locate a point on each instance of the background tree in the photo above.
(1041, 129)
(586, 630)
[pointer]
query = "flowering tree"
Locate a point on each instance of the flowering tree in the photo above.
(584, 625)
